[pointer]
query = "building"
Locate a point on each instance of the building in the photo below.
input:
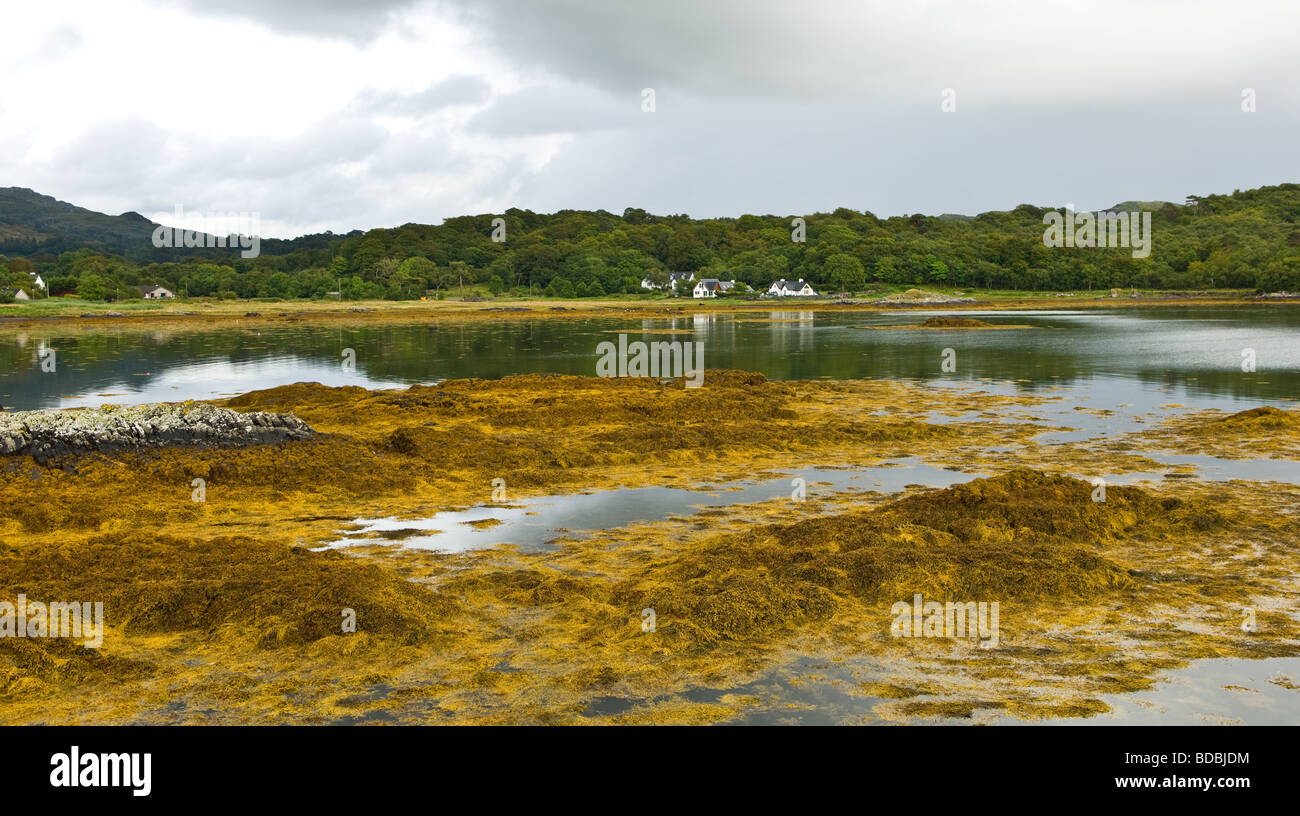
(711, 287)
(156, 293)
(785, 288)
(21, 295)
(673, 279)
(36, 280)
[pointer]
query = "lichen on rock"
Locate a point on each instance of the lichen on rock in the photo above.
(48, 435)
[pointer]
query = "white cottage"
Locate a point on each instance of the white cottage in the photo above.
(710, 287)
(673, 279)
(785, 288)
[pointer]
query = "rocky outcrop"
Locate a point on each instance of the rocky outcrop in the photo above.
(51, 434)
(920, 297)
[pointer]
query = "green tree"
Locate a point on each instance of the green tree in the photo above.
(844, 273)
(92, 287)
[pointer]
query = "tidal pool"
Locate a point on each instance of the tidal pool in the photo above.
(532, 524)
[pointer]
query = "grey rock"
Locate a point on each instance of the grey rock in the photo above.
(52, 434)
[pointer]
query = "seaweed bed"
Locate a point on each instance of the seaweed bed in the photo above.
(222, 611)
(1257, 432)
(945, 322)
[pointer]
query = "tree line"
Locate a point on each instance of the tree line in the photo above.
(1246, 240)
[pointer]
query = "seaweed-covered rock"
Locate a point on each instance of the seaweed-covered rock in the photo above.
(47, 435)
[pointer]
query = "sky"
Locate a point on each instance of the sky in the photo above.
(332, 115)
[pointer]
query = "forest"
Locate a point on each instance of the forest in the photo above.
(1245, 240)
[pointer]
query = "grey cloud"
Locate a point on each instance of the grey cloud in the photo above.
(458, 90)
(110, 154)
(712, 161)
(708, 47)
(333, 141)
(861, 52)
(338, 19)
(561, 108)
(343, 172)
(413, 153)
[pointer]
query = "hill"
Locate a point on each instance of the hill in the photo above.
(32, 223)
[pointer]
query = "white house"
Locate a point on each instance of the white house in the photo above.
(156, 293)
(785, 288)
(710, 287)
(36, 280)
(673, 279)
(21, 295)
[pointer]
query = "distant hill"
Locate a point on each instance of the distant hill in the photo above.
(32, 223)
(36, 224)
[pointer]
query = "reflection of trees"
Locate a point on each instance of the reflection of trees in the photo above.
(827, 346)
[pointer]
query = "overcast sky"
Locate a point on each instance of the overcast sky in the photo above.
(329, 114)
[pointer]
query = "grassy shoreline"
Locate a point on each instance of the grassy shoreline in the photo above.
(205, 311)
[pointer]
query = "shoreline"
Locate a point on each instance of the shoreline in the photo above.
(315, 312)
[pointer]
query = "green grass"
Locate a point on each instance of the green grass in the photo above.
(65, 305)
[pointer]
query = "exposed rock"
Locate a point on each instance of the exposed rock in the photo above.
(944, 322)
(51, 434)
(918, 297)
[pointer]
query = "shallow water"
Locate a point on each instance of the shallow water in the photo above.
(533, 524)
(1215, 691)
(1144, 356)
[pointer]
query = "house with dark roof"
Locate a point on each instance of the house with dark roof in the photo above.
(711, 287)
(785, 288)
(674, 278)
(156, 293)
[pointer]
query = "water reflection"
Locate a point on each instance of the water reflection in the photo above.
(1120, 354)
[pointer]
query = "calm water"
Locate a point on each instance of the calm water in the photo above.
(1131, 355)
(533, 523)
